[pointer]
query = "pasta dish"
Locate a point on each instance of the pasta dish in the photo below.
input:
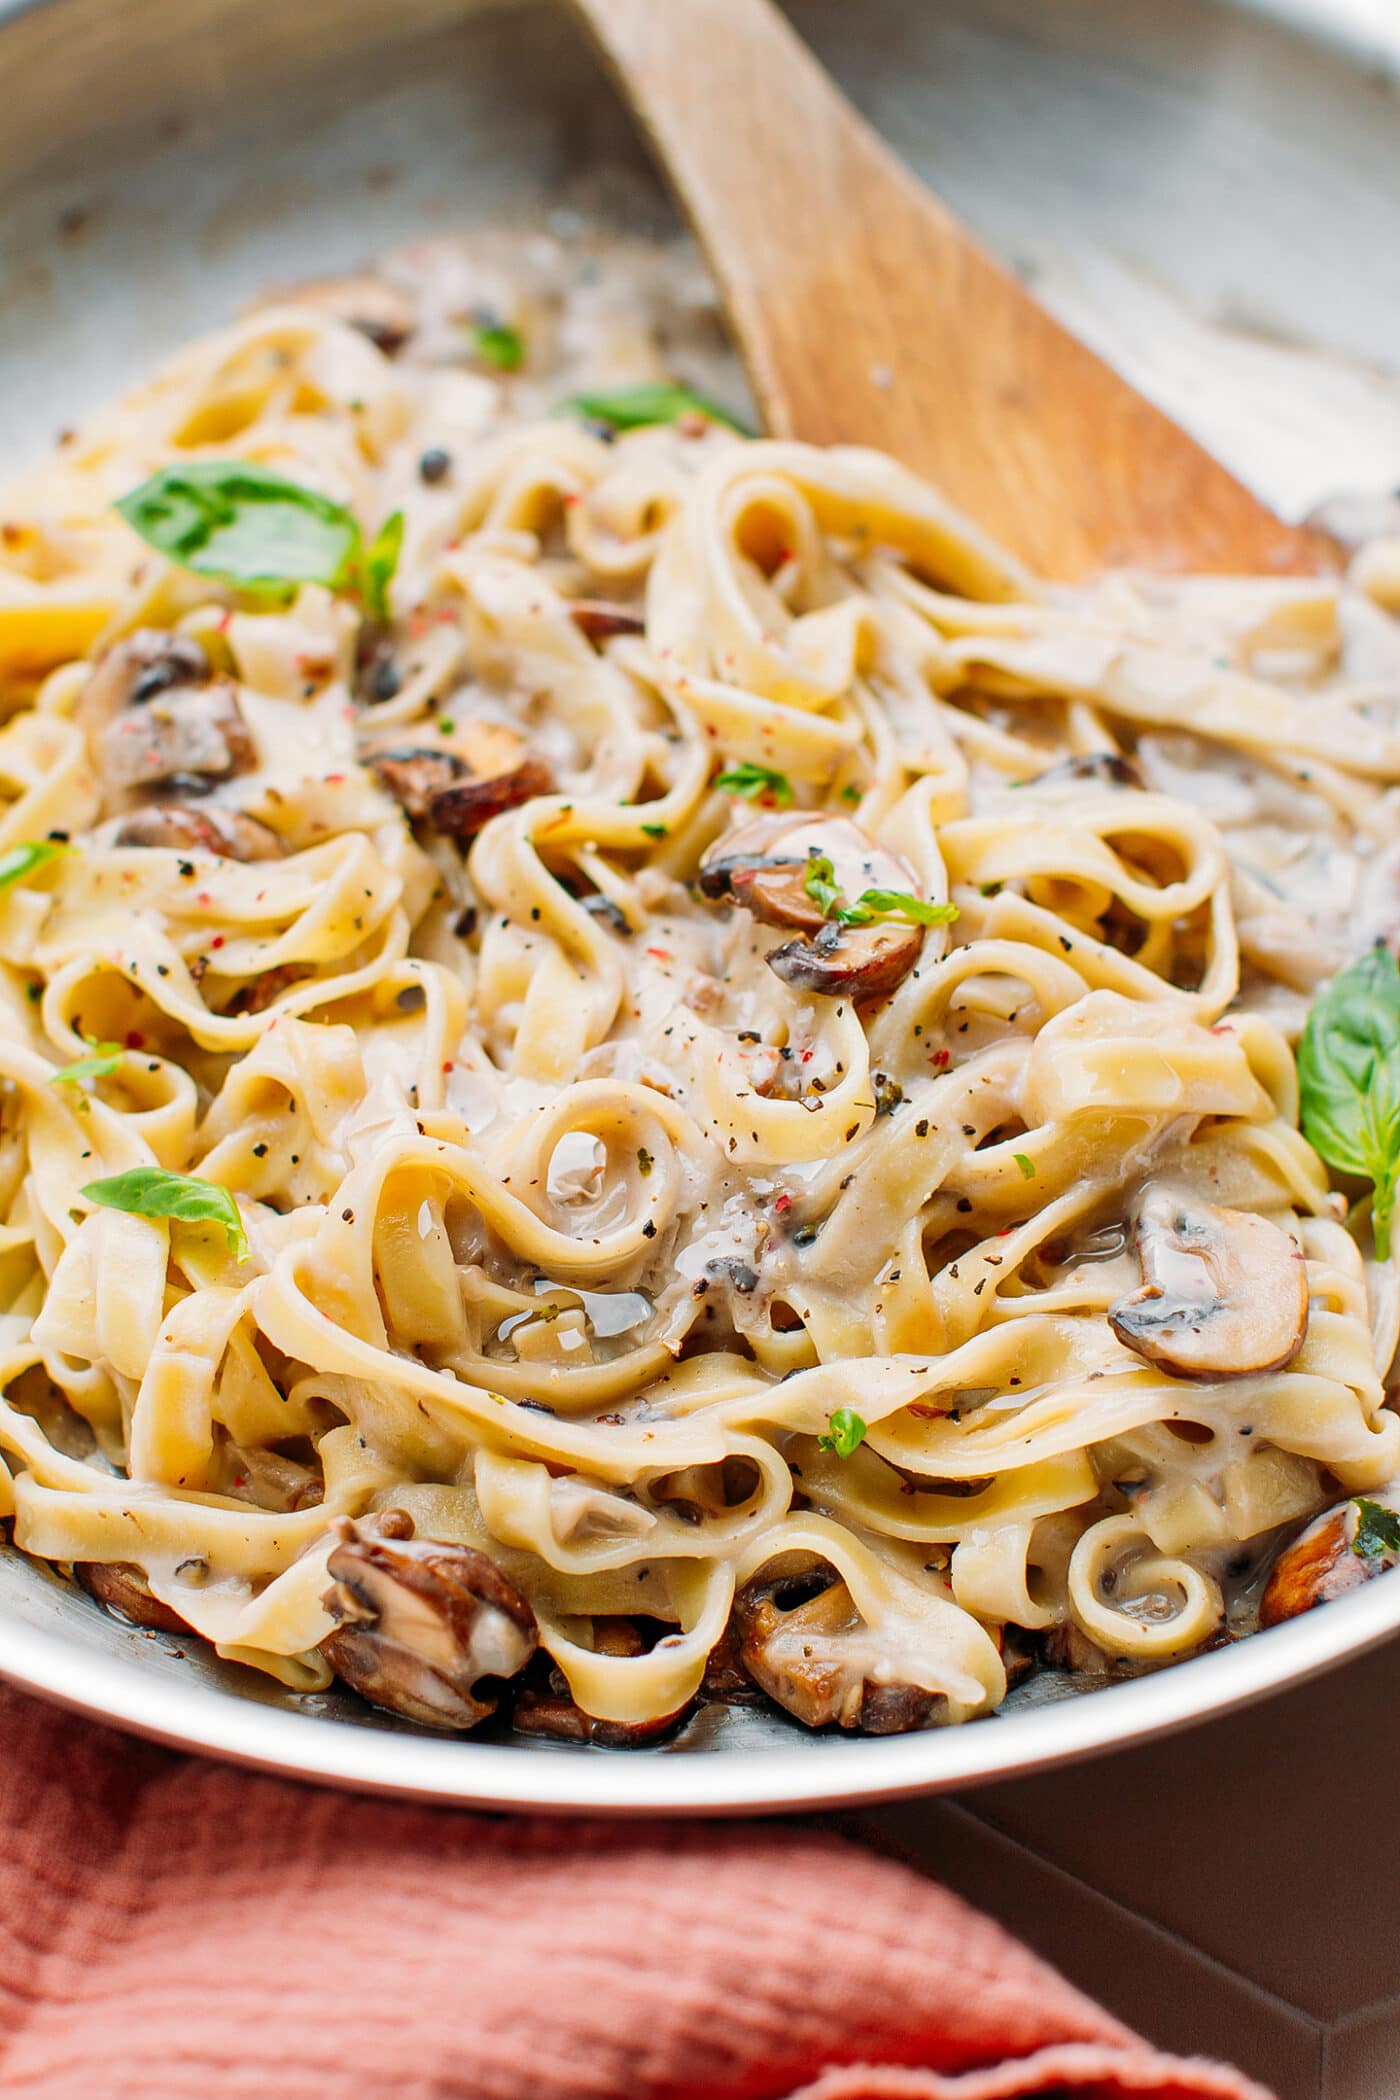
(635, 1070)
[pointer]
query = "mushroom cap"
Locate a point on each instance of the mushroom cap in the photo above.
(764, 867)
(422, 1624)
(1224, 1292)
(816, 1656)
(120, 1587)
(1321, 1563)
(458, 787)
(227, 832)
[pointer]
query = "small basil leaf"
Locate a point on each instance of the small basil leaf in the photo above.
(632, 407)
(243, 524)
(152, 1192)
(1377, 1529)
(498, 344)
(1349, 1080)
(845, 1434)
(103, 1062)
(380, 562)
(820, 884)
(899, 904)
(754, 782)
(18, 861)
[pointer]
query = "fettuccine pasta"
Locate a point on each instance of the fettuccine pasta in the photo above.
(733, 1021)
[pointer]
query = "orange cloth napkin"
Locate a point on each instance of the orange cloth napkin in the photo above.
(171, 1929)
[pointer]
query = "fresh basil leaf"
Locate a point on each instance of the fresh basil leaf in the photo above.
(1377, 1529)
(103, 1062)
(498, 344)
(380, 562)
(898, 904)
(243, 524)
(152, 1192)
(632, 407)
(18, 861)
(845, 1433)
(754, 782)
(820, 883)
(1349, 1080)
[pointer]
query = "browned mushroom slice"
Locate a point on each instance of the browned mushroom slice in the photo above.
(457, 791)
(190, 734)
(1338, 1552)
(600, 620)
(546, 1706)
(424, 1628)
(803, 1641)
(378, 310)
(766, 866)
(227, 832)
(121, 1587)
(415, 776)
(149, 661)
(1224, 1293)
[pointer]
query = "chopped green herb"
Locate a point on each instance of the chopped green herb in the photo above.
(497, 343)
(1025, 1163)
(850, 792)
(447, 727)
(845, 1433)
(820, 883)
(18, 861)
(990, 889)
(821, 886)
(103, 1062)
(380, 562)
(240, 523)
(654, 831)
(644, 1160)
(152, 1192)
(1349, 1080)
(896, 904)
(632, 407)
(1377, 1529)
(754, 782)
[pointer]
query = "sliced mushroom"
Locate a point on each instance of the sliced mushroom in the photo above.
(547, 1707)
(1323, 1562)
(802, 1640)
(424, 1628)
(227, 832)
(599, 619)
(415, 776)
(121, 1588)
(765, 867)
(153, 716)
(1224, 1293)
(188, 737)
(134, 670)
(378, 310)
(457, 790)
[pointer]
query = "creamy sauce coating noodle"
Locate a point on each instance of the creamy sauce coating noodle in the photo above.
(863, 1310)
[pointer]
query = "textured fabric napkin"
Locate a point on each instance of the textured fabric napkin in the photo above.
(171, 1929)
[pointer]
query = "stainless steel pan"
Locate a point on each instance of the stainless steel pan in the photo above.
(1203, 194)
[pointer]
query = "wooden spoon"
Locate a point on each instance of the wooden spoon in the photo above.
(866, 314)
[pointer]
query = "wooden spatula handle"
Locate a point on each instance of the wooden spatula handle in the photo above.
(867, 314)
